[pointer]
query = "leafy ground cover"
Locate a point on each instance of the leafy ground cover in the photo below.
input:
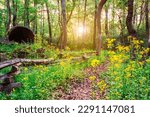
(120, 72)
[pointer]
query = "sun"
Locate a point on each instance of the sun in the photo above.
(80, 30)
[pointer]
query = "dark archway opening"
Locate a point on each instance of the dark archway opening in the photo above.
(21, 34)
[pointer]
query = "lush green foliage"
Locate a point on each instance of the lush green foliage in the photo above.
(127, 77)
(128, 73)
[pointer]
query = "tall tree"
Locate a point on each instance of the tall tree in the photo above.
(106, 21)
(35, 18)
(94, 33)
(99, 10)
(49, 23)
(1, 23)
(147, 21)
(129, 19)
(26, 13)
(71, 12)
(141, 14)
(63, 42)
(8, 15)
(84, 20)
(14, 4)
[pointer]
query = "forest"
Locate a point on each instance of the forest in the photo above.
(75, 49)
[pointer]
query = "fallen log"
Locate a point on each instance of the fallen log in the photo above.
(8, 79)
(25, 61)
(11, 86)
(37, 62)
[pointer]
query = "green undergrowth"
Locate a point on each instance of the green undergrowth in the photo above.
(41, 81)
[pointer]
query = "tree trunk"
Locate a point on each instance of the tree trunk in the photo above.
(84, 21)
(35, 18)
(113, 17)
(94, 34)
(129, 24)
(64, 25)
(14, 3)
(135, 14)
(106, 22)
(141, 15)
(42, 24)
(26, 13)
(73, 7)
(9, 15)
(147, 22)
(49, 24)
(60, 24)
(1, 22)
(99, 10)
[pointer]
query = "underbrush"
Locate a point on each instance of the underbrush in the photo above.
(129, 71)
(40, 82)
(127, 76)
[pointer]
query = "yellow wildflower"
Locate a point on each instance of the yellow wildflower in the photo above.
(120, 48)
(57, 50)
(92, 78)
(25, 69)
(67, 48)
(147, 50)
(141, 41)
(127, 48)
(117, 65)
(45, 69)
(141, 63)
(117, 79)
(62, 64)
(135, 42)
(95, 62)
(129, 37)
(25, 78)
(148, 60)
(110, 42)
(115, 73)
(111, 53)
(102, 85)
(128, 75)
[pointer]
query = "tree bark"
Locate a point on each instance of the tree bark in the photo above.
(69, 17)
(35, 18)
(9, 15)
(26, 14)
(25, 61)
(63, 42)
(49, 24)
(84, 21)
(94, 34)
(99, 10)
(129, 21)
(141, 15)
(14, 4)
(147, 22)
(106, 22)
(43, 25)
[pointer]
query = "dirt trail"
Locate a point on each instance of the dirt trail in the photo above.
(82, 90)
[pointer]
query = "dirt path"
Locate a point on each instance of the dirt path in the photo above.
(83, 90)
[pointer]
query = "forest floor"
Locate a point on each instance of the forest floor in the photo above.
(84, 89)
(112, 75)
